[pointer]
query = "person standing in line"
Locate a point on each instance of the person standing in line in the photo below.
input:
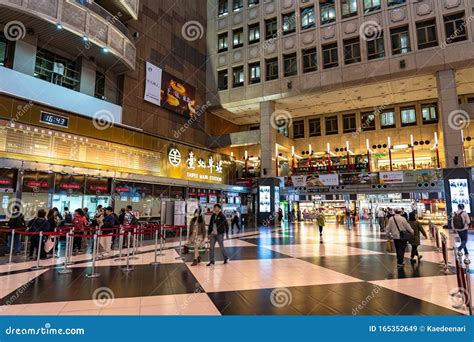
(16, 221)
(79, 223)
(217, 228)
(415, 240)
(67, 216)
(321, 222)
(121, 217)
(460, 223)
(36, 225)
(381, 219)
(197, 235)
(397, 229)
(109, 222)
(404, 214)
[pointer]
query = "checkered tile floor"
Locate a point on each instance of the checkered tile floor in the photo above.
(288, 270)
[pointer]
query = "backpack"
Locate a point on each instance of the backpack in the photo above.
(68, 218)
(458, 222)
(134, 220)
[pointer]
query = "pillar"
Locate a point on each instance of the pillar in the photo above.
(88, 71)
(451, 144)
(267, 139)
(25, 55)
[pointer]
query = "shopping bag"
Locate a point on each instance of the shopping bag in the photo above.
(389, 246)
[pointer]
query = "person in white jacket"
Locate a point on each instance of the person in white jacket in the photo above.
(397, 224)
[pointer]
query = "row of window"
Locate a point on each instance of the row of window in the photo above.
(327, 8)
(387, 119)
(426, 34)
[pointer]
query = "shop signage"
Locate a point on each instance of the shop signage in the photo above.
(417, 176)
(70, 184)
(391, 177)
(315, 180)
(264, 199)
(54, 119)
(98, 186)
(359, 178)
(174, 157)
(38, 182)
(459, 190)
(7, 178)
(246, 182)
(153, 84)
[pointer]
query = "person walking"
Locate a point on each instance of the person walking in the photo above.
(16, 221)
(197, 235)
(235, 221)
(381, 219)
(460, 223)
(415, 240)
(79, 223)
(36, 225)
(400, 231)
(217, 228)
(321, 222)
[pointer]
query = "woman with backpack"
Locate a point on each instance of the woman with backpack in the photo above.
(36, 225)
(460, 223)
(415, 240)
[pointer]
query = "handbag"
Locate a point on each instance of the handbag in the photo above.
(49, 244)
(404, 234)
(389, 246)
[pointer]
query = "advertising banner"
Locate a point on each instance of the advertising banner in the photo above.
(359, 178)
(314, 180)
(178, 96)
(391, 177)
(417, 176)
(153, 84)
(264, 199)
(459, 190)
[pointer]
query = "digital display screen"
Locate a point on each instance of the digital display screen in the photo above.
(177, 95)
(459, 190)
(264, 199)
(54, 119)
(212, 198)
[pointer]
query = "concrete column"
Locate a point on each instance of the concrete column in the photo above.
(267, 139)
(25, 55)
(88, 71)
(451, 144)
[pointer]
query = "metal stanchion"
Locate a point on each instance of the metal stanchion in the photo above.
(156, 262)
(27, 240)
(12, 242)
(180, 242)
(71, 246)
(467, 261)
(444, 262)
(135, 243)
(120, 258)
(128, 268)
(162, 242)
(95, 248)
(40, 243)
(66, 270)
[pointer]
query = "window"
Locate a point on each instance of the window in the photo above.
(426, 34)
(222, 79)
(254, 128)
(99, 86)
(352, 51)
(348, 8)
(349, 123)
(222, 42)
(430, 113)
(330, 59)
(238, 38)
(290, 66)
(58, 70)
(395, 2)
(408, 116)
(254, 73)
(310, 61)
(223, 8)
(328, 11)
(4, 51)
(315, 127)
(307, 18)
(238, 76)
(387, 119)
(331, 125)
(367, 121)
(376, 47)
(271, 69)
(289, 23)
(400, 40)
(371, 5)
(254, 33)
(253, 3)
(237, 5)
(455, 26)
(271, 28)
(298, 129)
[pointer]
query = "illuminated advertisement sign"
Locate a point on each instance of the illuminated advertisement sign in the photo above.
(459, 190)
(264, 199)
(177, 95)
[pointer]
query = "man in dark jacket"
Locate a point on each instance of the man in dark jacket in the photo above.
(217, 228)
(17, 221)
(36, 225)
(109, 222)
